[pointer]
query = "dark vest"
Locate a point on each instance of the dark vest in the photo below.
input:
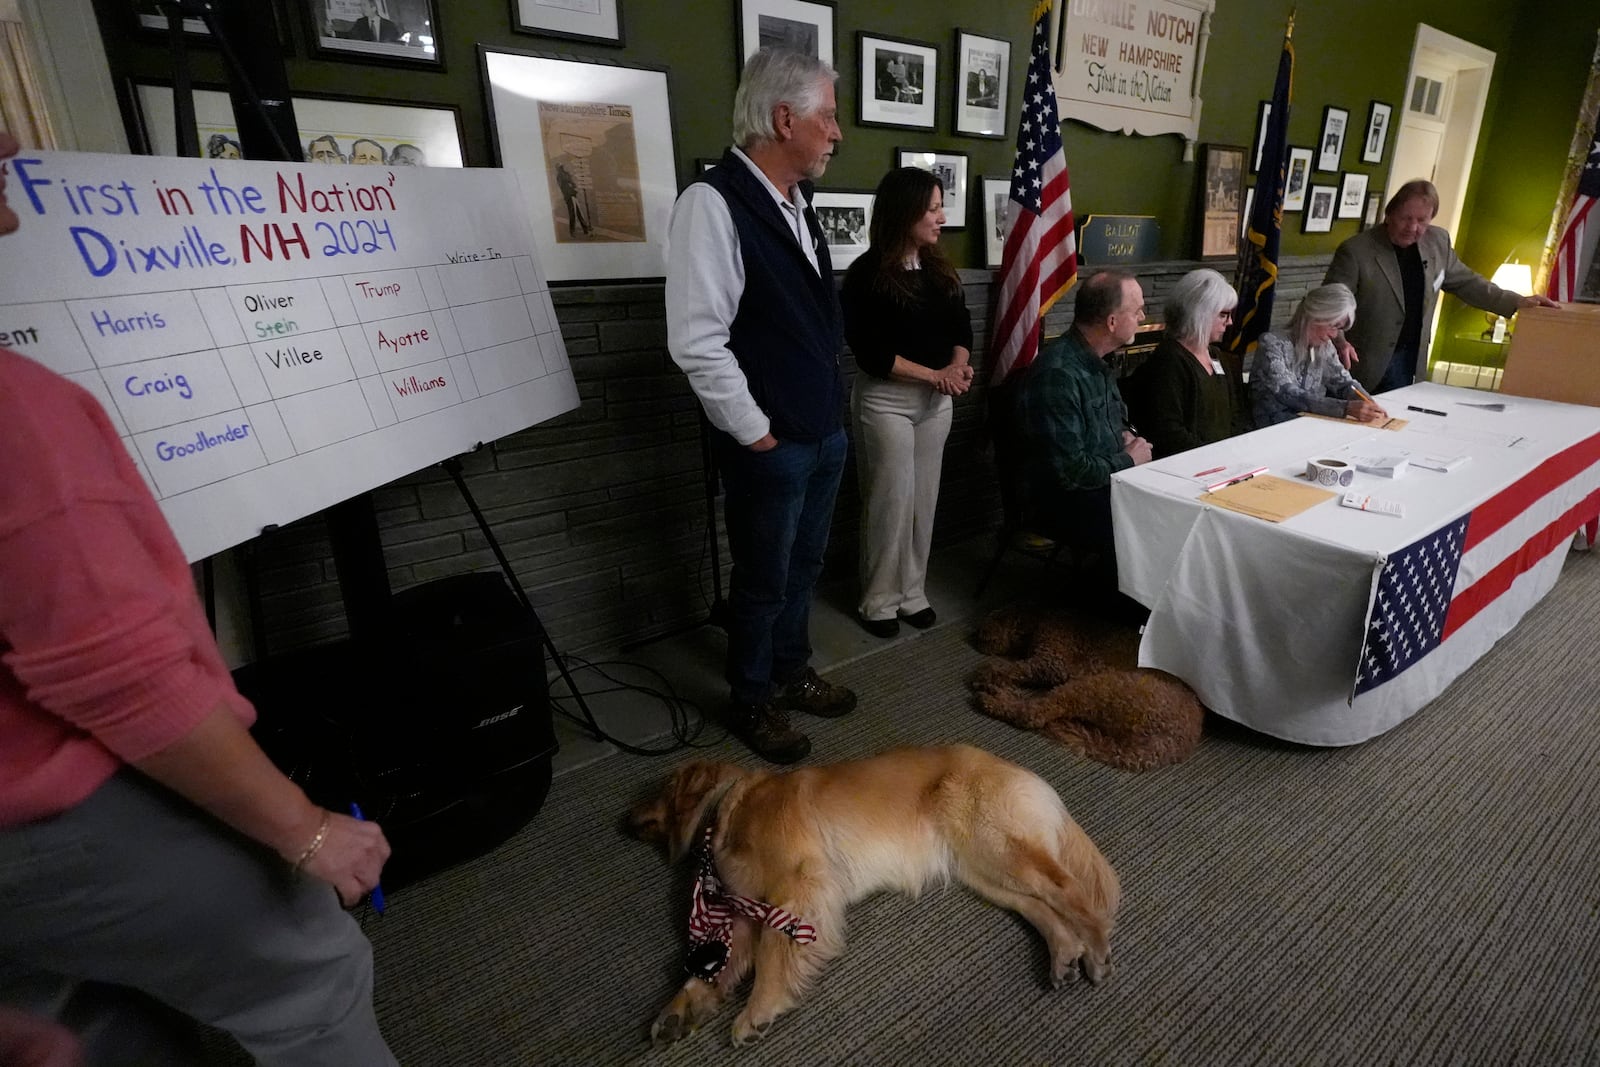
(788, 330)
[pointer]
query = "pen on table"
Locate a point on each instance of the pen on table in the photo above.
(1425, 411)
(1213, 470)
(377, 890)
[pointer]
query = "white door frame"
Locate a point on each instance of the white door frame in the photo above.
(1474, 68)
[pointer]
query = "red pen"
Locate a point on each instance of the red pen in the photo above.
(1213, 470)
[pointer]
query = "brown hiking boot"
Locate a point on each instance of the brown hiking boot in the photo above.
(812, 695)
(766, 730)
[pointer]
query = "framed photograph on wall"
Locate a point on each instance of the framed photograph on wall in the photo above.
(1352, 195)
(846, 218)
(983, 65)
(1377, 139)
(347, 130)
(594, 21)
(377, 31)
(1374, 210)
(798, 25)
(898, 78)
(1221, 199)
(996, 204)
(1330, 145)
(1296, 178)
(600, 135)
(1320, 202)
(951, 170)
(1263, 113)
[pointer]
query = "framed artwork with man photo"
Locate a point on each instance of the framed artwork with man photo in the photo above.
(405, 32)
(996, 195)
(845, 216)
(898, 79)
(594, 21)
(1330, 145)
(1352, 195)
(1378, 115)
(1221, 199)
(797, 25)
(982, 67)
(1321, 201)
(951, 170)
(1296, 179)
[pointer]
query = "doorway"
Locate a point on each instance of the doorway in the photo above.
(1441, 112)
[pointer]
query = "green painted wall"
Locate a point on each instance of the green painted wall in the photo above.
(1349, 52)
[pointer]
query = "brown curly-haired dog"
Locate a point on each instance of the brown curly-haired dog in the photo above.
(1076, 680)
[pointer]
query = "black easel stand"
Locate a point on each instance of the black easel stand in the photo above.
(717, 614)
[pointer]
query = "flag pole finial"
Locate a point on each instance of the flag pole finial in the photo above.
(1288, 33)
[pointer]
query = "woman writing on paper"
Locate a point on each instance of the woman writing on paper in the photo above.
(908, 325)
(1301, 373)
(1182, 398)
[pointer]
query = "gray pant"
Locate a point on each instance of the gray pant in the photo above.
(901, 428)
(136, 887)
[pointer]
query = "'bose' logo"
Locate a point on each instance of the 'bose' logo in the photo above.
(491, 720)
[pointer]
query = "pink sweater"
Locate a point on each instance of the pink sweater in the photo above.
(105, 655)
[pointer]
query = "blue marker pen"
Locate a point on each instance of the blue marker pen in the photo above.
(377, 890)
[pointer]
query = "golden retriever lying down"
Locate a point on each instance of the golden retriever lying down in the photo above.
(812, 841)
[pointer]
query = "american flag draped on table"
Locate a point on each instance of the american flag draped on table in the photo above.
(1575, 250)
(1041, 253)
(1433, 587)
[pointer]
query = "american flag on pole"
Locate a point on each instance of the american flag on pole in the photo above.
(1575, 250)
(1433, 588)
(1041, 252)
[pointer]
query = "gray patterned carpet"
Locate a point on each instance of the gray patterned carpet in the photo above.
(1431, 897)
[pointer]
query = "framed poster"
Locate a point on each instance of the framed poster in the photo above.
(798, 25)
(1296, 178)
(983, 65)
(1352, 195)
(332, 129)
(594, 21)
(1221, 199)
(381, 31)
(951, 170)
(996, 210)
(846, 219)
(897, 82)
(1330, 145)
(1378, 115)
(1320, 202)
(601, 134)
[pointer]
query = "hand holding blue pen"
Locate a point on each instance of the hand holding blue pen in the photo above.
(377, 890)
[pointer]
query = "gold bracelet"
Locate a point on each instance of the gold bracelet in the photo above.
(316, 842)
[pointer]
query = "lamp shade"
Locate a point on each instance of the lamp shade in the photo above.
(1517, 277)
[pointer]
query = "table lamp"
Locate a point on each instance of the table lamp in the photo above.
(1513, 276)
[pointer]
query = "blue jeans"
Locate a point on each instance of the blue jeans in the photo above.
(778, 507)
(1401, 370)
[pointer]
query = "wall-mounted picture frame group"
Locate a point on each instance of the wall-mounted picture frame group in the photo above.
(1221, 199)
(593, 21)
(1330, 143)
(798, 25)
(951, 168)
(1352, 195)
(983, 65)
(404, 32)
(1296, 179)
(845, 216)
(1320, 203)
(347, 130)
(1377, 139)
(996, 193)
(898, 82)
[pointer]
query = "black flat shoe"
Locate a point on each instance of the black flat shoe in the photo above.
(921, 619)
(879, 627)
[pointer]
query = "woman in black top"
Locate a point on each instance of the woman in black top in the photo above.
(908, 326)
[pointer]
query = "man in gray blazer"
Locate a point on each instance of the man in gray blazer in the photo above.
(1396, 272)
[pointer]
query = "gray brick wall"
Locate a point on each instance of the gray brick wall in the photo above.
(601, 511)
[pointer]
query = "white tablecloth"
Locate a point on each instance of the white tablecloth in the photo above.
(1337, 625)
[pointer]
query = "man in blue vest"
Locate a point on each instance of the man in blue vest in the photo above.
(753, 320)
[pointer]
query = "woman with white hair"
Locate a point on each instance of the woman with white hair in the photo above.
(1301, 372)
(1182, 397)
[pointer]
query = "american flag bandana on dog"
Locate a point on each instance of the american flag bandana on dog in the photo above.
(711, 919)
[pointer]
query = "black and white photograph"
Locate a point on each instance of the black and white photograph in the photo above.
(1377, 139)
(1352, 195)
(1320, 203)
(798, 25)
(1263, 113)
(951, 169)
(385, 31)
(982, 66)
(1374, 210)
(1330, 145)
(1296, 179)
(845, 217)
(898, 81)
(1221, 199)
(996, 206)
(593, 21)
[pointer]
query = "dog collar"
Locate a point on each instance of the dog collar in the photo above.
(711, 914)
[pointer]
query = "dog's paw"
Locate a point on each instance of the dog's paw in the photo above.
(669, 1026)
(1096, 970)
(747, 1029)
